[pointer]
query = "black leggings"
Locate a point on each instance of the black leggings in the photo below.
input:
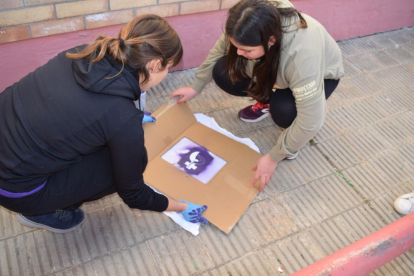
(88, 180)
(282, 103)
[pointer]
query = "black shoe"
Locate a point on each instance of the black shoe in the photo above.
(60, 221)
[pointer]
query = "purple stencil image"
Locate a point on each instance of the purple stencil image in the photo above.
(194, 159)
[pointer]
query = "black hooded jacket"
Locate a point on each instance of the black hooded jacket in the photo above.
(70, 108)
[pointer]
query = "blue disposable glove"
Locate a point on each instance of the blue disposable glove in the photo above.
(193, 213)
(148, 118)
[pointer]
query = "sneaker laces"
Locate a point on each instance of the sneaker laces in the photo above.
(259, 105)
(63, 214)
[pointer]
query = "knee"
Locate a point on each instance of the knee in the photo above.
(283, 115)
(222, 79)
(220, 74)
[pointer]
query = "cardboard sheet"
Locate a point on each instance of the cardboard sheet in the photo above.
(228, 194)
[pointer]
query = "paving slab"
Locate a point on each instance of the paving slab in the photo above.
(306, 212)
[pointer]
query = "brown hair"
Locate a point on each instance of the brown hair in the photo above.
(143, 39)
(252, 23)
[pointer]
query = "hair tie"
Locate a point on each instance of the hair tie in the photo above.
(121, 42)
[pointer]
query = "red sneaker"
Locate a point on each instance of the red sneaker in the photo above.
(254, 113)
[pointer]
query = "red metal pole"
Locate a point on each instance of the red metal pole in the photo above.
(367, 254)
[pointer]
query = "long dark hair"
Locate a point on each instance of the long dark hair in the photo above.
(252, 23)
(145, 38)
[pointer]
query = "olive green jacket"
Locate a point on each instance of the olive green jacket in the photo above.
(308, 57)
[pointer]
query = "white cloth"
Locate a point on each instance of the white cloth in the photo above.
(193, 228)
(211, 123)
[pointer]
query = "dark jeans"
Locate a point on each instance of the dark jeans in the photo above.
(88, 180)
(282, 103)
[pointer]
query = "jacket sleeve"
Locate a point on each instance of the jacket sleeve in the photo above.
(204, 73)
(307, 85)
(129, 159)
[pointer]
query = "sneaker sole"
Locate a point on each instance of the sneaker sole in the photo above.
(32, 224)
(255, 120)
(293, 157)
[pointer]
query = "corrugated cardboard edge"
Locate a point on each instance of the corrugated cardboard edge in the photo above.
(169, 125)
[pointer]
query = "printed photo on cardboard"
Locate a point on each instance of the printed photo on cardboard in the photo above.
(194, 160)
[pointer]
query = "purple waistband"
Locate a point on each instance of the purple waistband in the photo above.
(19, 195)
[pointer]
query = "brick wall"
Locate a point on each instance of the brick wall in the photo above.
(24, 19)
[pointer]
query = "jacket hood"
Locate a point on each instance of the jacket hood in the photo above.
(289, 25)
(98, 77)
(290, 28)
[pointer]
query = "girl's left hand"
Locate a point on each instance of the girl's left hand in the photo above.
(264, 168)
(148, 118)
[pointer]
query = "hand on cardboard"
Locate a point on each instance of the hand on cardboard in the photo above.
(193, 213)
(148, 118)
(186, 93)
(264, 168)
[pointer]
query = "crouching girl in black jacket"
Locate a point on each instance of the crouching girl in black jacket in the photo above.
(70, 132)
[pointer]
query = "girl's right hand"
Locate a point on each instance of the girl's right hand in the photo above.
(186, 93)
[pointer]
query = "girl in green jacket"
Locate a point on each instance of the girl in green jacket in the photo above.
(284, 60)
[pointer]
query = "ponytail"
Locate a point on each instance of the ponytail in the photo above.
(98, 49)
(145, 38)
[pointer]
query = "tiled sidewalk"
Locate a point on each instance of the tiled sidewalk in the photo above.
(305, 214)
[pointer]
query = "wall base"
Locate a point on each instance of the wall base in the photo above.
(199, 32)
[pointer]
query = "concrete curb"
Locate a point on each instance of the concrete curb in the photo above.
(367, 254)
